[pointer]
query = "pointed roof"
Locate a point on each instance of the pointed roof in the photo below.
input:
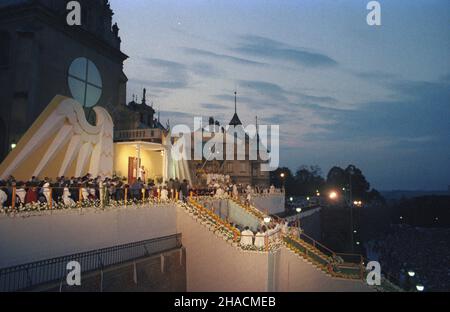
(235, 121)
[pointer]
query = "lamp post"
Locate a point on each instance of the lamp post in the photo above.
(333, 195)
(282, 175)
(351, 172)
(299, 210)
(420, 287)
(410, 280)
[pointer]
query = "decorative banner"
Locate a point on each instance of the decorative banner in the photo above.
(61, 142)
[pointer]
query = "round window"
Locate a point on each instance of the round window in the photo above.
(85, 82)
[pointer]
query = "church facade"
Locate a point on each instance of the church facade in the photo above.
(41, 56)
(241, 169)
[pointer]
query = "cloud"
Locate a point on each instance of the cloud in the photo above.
(176, 118)
(206, 70)
(265, 89)
(281, 119)
(249, 102)
(212, 106)
(311, 99)
(173, 75)
(375, 75)
(205, 53)
(420, 111)
(270, 49)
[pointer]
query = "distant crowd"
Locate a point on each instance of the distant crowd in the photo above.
(426, 251)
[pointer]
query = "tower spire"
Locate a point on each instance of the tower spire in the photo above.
(144, 93)
(257, 135)
(235, 121)
(235, 102)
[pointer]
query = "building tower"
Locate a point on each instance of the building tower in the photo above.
(41, 57)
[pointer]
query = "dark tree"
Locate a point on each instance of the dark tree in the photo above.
(340, 179)
(359, 184)
(278, 181)
(337, 178)
(308, 180)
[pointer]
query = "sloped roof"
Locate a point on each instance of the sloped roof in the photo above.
(235, 121)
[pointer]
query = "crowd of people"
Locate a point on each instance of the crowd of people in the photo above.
(70, 191)
(426, 251)
(266, 233)
(221, 186)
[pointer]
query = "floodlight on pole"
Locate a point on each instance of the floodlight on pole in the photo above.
(333, 195)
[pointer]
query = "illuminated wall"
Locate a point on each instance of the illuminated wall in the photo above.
(152, 160)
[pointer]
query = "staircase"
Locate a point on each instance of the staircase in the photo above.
(212, 221)
(332, 264)
(337, 266)
(316, 254)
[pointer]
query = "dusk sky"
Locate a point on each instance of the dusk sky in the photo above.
(342, 91)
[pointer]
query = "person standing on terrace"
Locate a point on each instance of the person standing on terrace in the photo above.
(260, 239)
(164, 194)
(235, 191)
(272, 189)
(20, 193)
(32, 196)
(247, 237)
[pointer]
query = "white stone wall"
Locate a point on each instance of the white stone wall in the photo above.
(269, 203)
(213, 264)
(295, 274)
(24, 240)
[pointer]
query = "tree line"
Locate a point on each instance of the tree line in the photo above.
(308, 180)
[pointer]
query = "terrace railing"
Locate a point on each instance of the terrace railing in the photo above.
(147, 135)
(31, 275)
(82, 197)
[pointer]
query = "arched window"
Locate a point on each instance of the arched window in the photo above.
(5, 49)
